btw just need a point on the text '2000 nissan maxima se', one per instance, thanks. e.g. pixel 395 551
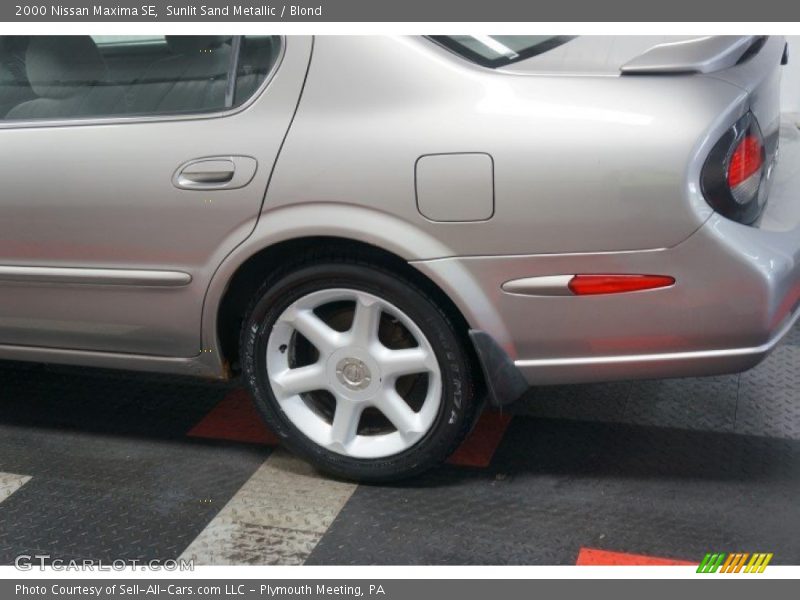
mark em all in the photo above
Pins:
pixel 379 233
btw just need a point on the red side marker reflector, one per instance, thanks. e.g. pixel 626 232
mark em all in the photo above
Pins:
pixel 479 447
pixel 594 557
pixel 587 285
pixel 236 419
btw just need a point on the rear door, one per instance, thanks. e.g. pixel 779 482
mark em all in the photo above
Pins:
pixel 130 167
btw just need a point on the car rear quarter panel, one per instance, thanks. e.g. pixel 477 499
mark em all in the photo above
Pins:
pixel 588 172
pixel 581 163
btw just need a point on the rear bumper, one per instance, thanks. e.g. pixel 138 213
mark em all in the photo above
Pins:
pixel 649 366
pixel 737 293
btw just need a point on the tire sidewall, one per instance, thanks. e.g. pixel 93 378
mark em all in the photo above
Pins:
pixel 454 415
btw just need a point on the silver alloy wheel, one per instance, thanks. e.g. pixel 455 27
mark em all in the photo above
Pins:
pixel 357 369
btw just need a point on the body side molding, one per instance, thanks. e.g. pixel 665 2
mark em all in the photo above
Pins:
pixel 91 276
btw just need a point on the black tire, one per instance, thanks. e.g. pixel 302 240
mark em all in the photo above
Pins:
pixel 458 404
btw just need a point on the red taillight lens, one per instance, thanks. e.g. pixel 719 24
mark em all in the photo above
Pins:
pixel 586 285
pixel 746 161
pixel 733 178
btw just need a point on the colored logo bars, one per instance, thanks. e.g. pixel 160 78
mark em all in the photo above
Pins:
pixel 734 562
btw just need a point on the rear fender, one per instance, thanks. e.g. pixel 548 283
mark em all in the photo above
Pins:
pixel 351 222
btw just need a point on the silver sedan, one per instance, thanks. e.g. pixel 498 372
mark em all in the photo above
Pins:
pixel 379 235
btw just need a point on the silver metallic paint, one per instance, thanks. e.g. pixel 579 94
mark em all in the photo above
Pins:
pixel 698 55
pixel 72 275
pixel 593 173
pixel 455 187
pixel 571 168
pixel 215 173
pixel 85 195
pixel 624 366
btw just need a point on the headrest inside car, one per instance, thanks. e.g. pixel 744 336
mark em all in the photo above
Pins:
pixel 63 66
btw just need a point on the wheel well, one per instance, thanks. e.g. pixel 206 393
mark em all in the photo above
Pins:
pixel 252 273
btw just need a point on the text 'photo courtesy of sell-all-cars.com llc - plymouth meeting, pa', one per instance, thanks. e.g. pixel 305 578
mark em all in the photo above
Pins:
pixel 383 235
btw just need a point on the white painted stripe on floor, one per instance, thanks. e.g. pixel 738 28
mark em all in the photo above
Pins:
pixel 10 483
pixel 277 517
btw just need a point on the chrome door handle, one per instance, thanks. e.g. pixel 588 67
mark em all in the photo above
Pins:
pixel 215 173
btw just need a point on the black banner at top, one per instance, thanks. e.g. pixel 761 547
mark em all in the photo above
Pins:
pixel 399 10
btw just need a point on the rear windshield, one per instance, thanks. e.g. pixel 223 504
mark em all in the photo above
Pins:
pixel 498 50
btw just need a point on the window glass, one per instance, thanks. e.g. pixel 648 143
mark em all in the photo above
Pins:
pixel 128 40
pixel 62 77
pixel 499 50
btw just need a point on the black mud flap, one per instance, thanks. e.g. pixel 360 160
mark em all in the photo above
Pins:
pixel 504 383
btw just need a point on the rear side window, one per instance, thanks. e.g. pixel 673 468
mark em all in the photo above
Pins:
pixel 495 51
pixel 65 77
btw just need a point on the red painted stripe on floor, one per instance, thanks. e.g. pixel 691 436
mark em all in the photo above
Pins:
pixel 593 556
pixel 235 418
pixel 480 445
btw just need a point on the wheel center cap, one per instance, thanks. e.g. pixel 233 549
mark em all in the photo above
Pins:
pixel 353 373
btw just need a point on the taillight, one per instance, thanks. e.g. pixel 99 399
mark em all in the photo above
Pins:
pixel 733 175
pixel 745 164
